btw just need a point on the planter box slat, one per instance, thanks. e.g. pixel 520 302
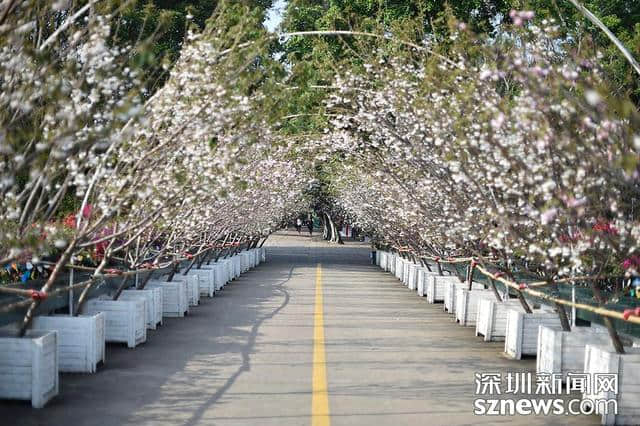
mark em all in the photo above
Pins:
pixel 81 340
pixel 125 320
pixel 29 366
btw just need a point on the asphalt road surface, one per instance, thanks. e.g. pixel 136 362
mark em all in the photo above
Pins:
pixel 293 343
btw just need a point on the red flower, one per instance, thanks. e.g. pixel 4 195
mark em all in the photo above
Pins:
pixel 86 211
pixel 631 262
pixel 605 227
pixel 70 221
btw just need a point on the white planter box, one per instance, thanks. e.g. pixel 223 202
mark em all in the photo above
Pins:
pixel 391 264
pixel 125 320
pixel 237 270
pixel 263 254
pixel 81 340
pixel 602 359
pixel 521 334
pixel 562 352
pixel 256 257
pixel 175 300
pixel 29 367
pixel 451 285
pixel 421 284
pixel 221 269
pixel 252 258
pixel 413 277
pixel 405 272
pixel 383 256
pixel 467 305
pixel 193 288
pixel 207 280
pixel 245 261
pixel 228 268
pixel 491 322
pixel 219 273
pixel 153 298
pixel 399 267
pixel 435 286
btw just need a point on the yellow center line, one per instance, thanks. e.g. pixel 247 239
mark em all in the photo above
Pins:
pixel 320 397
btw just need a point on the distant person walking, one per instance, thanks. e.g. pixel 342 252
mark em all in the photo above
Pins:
pixel 298 225
pixel 310 226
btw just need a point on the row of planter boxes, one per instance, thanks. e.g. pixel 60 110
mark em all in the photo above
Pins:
pixel 581 350
pixel 29 366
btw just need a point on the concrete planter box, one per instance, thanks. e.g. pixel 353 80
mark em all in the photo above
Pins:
pixel 467 305
pixel 153 298
pixel 263 254
pixel 521 334
pixel 491 322
pixel 175 301
pixel 29 367
pixel 391 264
pixel 451 285
pixel 602 359
pixel 206 281
pixel 193 288
pixel 81 340
pixel 436 285
pixel 562 352
pixel 125 319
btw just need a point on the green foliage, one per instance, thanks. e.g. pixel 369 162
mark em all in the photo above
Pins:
pixel 161 27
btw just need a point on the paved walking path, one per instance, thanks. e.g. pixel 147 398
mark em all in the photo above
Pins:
pixel 246 356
